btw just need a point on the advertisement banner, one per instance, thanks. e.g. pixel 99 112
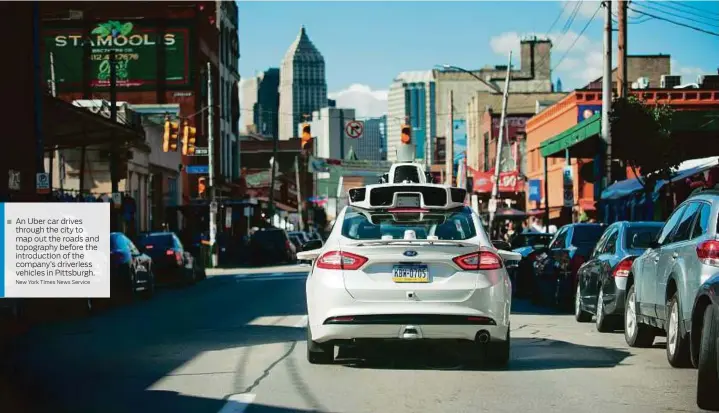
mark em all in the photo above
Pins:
pixel 587 111
pixel 136 47
pixel 514 124
pixel 535 190
pixel 508 181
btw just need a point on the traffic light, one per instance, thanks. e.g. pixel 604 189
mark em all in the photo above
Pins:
pixel 201 187
pixel 188 139
pixel 171 136
pixel 306 134
pixel 406 134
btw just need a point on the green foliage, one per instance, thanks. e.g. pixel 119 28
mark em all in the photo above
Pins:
pixel 106 29
pixel 642 137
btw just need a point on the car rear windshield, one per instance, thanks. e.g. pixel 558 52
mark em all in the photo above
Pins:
pixel 364 225
pixel 530 240
pixel 160 241
pixel 640 237
pixel 587 235
pixel 273 236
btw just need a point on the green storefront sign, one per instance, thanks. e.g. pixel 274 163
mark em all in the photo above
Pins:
pixel 136 49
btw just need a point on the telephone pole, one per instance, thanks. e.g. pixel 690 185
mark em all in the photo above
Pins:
pixel 299 192
pixel 622 50
pixel 500 139
pixel 211 166
pixel 606 98
pixel 449 141
pixel 114 175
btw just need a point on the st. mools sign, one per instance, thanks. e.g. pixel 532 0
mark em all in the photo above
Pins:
pixel 76 40
pixel 113 34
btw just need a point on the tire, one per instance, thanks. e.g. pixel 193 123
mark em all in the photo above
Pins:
pixel 500 352
pixel 677 341
pixel 579 314
pixel 708 376
pixel 636 334
pixel 150 288
pixel 319 353
pixel 605 323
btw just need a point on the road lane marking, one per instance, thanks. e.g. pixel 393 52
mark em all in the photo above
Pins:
pixel 238 403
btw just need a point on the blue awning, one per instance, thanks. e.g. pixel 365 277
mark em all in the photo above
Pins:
pixel 686 169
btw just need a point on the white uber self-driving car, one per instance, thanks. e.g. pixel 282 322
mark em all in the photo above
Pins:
pixel 408 261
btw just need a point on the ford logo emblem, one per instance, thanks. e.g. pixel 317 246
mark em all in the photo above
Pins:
pixel 410 253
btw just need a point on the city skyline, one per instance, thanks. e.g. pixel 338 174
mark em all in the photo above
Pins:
pixel 355 80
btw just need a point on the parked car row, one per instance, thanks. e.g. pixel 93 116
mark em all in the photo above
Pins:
pixel 650 279
pixel 271 245
pixel 136 270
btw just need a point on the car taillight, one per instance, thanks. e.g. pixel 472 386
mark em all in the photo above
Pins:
pixel 708 252
pixel 340 260
pixel 622 269
pixel 481 260
pixel 169 252
pixel 287 244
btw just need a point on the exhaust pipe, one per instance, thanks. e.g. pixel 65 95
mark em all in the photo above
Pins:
pixel 482 337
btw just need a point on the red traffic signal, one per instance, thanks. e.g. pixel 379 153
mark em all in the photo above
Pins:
pixel 406 134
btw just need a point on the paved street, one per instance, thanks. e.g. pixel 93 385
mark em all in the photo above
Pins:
pixel 235 343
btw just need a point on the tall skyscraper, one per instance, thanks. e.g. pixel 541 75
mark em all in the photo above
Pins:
pixel 412 101
pixel 260 103
pixel 303 85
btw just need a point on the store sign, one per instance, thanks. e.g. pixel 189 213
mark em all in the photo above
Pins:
pixel 135 47
pixel 484 181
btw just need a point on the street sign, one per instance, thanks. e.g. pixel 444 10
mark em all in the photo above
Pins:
pixel 198 169
pixel 42 183
pixel 13 180
pixel 354 129
pixel 201 151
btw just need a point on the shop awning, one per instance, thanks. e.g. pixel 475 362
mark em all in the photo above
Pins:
pixel 580 140
pixel 686 169
pixel 68 126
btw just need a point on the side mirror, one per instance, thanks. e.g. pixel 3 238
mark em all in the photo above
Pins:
pixel 502 245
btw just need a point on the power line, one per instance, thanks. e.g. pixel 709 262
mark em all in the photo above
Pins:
pixel 674 22
pixel 652 8
pixel 687 5
pixel 559 16
pixel 578 36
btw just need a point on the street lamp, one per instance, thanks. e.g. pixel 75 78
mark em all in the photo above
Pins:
pixel 460 69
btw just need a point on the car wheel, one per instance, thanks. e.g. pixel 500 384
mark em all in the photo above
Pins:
pixel 605 323
pixel 708 377
pixel 149 291
pixel 318 353
pixel 636 334
pixel 677 341
pixel 500 352
pixel 579 314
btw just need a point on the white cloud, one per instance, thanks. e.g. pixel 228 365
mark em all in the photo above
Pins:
pixel 505 42
pixel 689 73
pixel 367 103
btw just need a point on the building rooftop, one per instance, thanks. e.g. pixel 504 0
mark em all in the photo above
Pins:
pixel 303 48
pixel 415 76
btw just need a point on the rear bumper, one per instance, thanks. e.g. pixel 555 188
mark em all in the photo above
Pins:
pixel 615 295
pixel 347 332
pixel 328 298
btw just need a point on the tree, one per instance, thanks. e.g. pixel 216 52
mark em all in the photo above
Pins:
pixel 641 135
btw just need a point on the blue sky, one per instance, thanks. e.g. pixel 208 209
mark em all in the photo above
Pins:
pixel 366 44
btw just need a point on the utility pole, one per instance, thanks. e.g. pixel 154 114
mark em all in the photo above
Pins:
pixel 273 169
pixel 114 178
pixel 622 49
pixel 449 142
pixel 38 93
pixel 606 98
pixel 211 166
pixel 500 139
pixel 299 194
pixel 342 134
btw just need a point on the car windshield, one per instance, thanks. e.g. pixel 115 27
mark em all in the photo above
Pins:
pixel 156 241
pixel 449 225
pixel 587 235
pixel 640 237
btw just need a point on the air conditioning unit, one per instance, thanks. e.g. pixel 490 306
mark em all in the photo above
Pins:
pixel 643 83
pixel 670 81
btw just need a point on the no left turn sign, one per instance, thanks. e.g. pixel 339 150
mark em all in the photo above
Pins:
pixel 354 129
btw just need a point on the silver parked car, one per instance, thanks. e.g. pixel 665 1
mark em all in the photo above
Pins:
pixel 664 280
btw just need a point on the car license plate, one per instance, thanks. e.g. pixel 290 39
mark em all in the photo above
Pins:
pixel 410 274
